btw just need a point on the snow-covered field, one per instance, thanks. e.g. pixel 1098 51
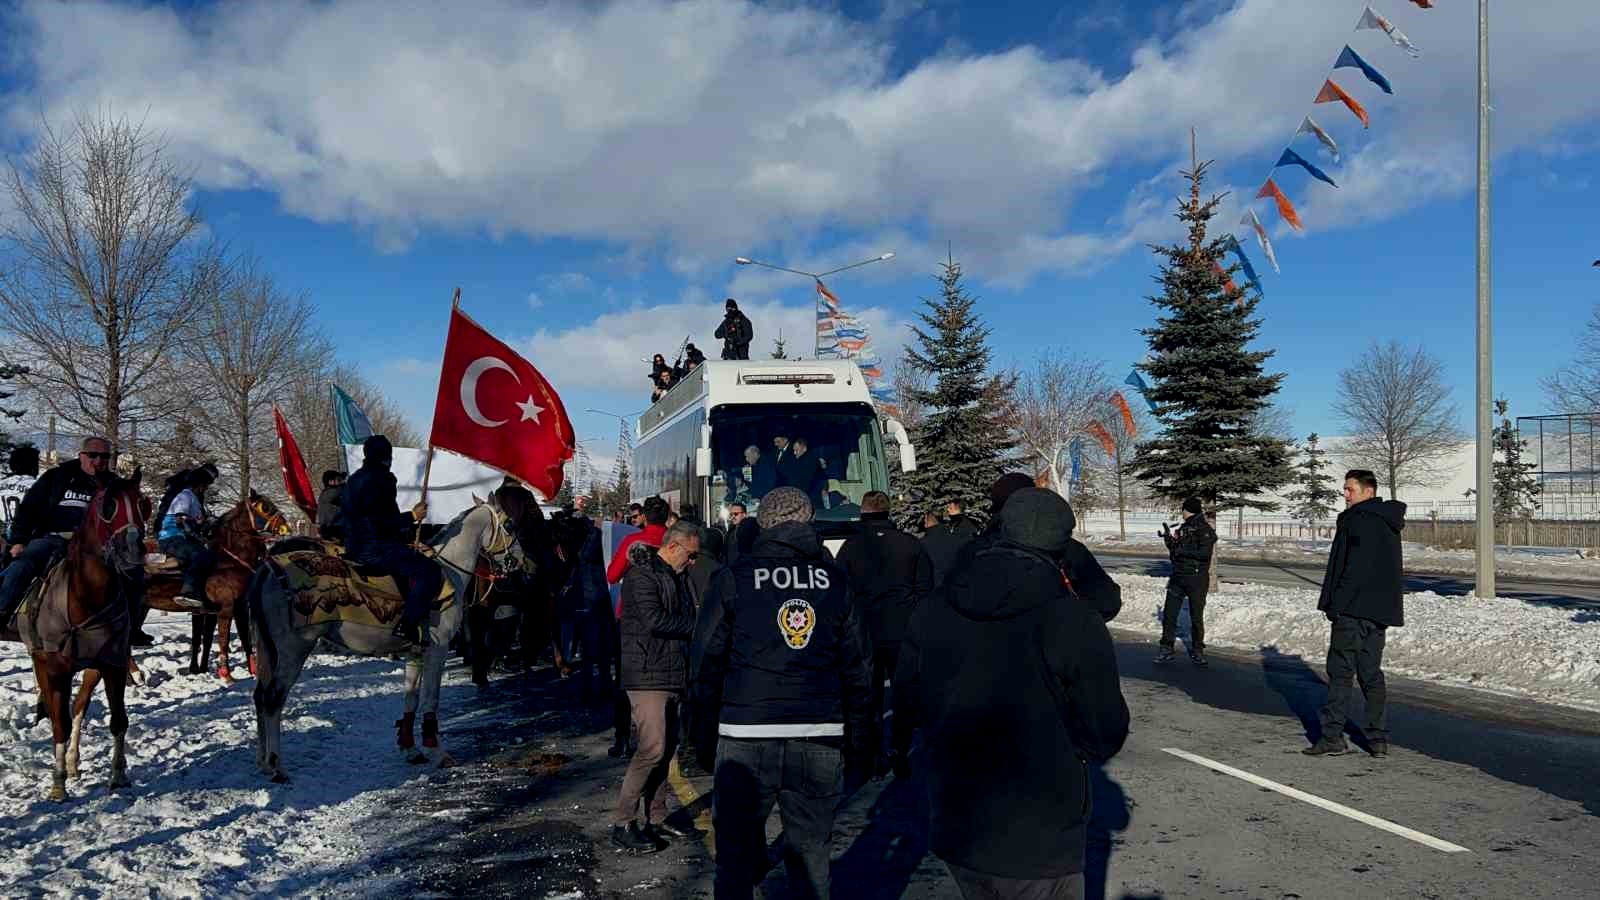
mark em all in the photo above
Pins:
pixel 1507 646
pixel 1101 531
pixel 199 820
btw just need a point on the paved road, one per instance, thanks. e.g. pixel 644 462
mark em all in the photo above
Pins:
pixel 1304 576
pixel 1510 781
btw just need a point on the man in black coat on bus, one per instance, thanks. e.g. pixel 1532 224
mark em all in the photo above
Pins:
pixel 735 332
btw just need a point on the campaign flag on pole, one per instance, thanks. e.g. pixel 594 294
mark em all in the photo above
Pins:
pixel 1254 221
pixel 354 426
pixel 296 480
pixel 496 408
pixel 1075 452
pixel 1371 20
pixel 1285 208
pixel 1310 126
pixel 1291 158
pixel 1099 432
pixel 1332 93
pixel 1137 383
pixel 843 336
pixel 1130 428
pixel 1233 246
pixel 1350 59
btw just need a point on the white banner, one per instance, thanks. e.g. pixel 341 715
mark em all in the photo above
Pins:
pixel 451 488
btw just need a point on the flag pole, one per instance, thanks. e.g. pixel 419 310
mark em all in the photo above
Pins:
pixel 427 465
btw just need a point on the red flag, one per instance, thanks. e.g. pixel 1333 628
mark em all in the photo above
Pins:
pixel 1425 4
pixel 496 408
pixel 296 480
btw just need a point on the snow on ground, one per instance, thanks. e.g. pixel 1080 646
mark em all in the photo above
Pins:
pixel 1507 646
pixel 200 821
pixel 1559 564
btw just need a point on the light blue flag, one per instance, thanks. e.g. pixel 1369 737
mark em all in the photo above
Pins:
pixel 354 426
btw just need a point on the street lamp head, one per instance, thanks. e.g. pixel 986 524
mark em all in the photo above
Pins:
pixel 741 261
pixel 886 257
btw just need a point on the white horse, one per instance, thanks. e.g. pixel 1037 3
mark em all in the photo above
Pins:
pixel 482 532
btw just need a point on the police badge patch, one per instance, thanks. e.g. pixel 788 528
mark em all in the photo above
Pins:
pixel 796 619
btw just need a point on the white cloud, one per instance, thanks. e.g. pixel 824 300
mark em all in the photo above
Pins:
pixel 535 301
pixel 689 129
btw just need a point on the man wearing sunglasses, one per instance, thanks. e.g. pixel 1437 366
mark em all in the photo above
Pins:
pixel 48 515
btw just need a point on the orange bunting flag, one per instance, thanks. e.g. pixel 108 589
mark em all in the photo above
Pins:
pixel 1332 93
pixel 1099 433
pixel 1129 427
pixel 1425 4
pixel 1285 208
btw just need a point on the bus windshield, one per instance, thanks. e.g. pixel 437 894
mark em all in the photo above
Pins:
pixel 833 452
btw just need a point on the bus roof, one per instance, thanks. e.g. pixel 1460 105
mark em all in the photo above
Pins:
pixel 775 381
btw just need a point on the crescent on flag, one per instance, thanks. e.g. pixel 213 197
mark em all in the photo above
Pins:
pixel 469 389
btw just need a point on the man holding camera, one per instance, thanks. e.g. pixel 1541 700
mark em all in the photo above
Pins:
pixel 1190 548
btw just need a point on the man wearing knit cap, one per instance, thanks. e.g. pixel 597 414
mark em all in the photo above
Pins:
pixel 782 668
pixel 735 332
pixel 1190 548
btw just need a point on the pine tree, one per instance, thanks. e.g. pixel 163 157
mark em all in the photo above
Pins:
pixel 777 347
pixel 564 494
pixel 621 494
pixel 1207 385
pixel 964 441
pixel 1516 488
pixel 1314 498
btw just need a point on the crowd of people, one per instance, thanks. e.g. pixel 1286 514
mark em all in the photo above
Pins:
pixel 735 332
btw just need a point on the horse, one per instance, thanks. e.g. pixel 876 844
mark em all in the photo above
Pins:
pixel 239 548
pixel 79 621
pixel 286 631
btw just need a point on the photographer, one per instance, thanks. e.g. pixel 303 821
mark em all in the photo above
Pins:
pixel 735 332
pixel 1190 548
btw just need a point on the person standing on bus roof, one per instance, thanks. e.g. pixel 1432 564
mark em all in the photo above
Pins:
pixel 735 332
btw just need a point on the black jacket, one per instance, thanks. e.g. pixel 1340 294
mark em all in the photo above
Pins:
pixel 803 472
pixel 1365 575
pixel 372 516
pixel 1090 584
pixel 781 651
pixel 736 333
pixel 945 541
pixel 55 504
pixel 330 519
pixel 743 540
pixel 1016 690
pixel 890 572
pixel 658 616
pixel 1191 545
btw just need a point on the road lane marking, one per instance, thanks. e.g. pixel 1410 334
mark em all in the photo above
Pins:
pixel 688 797
pixel 1426 840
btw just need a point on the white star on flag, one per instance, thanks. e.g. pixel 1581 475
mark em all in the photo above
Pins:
pixel 530 411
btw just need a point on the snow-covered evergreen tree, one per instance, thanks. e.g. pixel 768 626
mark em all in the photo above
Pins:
pixel 1208 385
pixel 778 351
pixel 964 441
pixel 1314 499
pixel 1516 488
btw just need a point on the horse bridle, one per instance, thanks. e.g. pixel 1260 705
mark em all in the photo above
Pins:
pixel 276 522
pixel 493 553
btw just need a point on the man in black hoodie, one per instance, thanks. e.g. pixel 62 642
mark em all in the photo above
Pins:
pixel 378 534
pixel 735 332
pixel 945 541
pixel 1363 596
pixel 50 512
pixel 890 573
pixel 1190 550
pixel 1016 691
pixel 781 669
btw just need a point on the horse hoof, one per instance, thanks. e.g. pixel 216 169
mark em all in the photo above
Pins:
pixel 137 678
pixel 225 675
pixel 119 783
pixel 58 792
pixel 416 759
pixel 280 777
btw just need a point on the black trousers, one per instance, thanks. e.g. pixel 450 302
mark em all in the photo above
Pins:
pixel 884 660
pixel 197 560
pixel 592 630
pixel 24 570
pixel 1356 649
pixel 804 778
pixel 1192 588
pixel 418 576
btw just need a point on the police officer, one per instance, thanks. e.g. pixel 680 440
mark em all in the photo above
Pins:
pixel 782 666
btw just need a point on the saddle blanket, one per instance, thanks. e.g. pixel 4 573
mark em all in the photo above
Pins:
pixel 327 589
pixel 43 624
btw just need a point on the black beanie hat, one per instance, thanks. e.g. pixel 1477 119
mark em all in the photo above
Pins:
pixel 1193 506
pixel 731 304
pixel 1004 487
pixel 378 449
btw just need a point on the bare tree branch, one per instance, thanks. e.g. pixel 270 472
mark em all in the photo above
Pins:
pixel 1401 420
pixel 1055 402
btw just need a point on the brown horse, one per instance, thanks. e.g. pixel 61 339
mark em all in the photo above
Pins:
pixel 239 548
pixel 80 622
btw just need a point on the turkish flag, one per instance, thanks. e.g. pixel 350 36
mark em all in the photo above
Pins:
pixel 296 480
pixel 496 408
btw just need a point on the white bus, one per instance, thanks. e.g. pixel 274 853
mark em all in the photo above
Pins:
pixel 695 444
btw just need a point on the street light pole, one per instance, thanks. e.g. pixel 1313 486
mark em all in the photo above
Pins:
pixel 1485 491
pixel 814 276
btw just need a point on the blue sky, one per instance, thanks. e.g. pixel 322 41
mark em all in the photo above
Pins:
pixel 587 173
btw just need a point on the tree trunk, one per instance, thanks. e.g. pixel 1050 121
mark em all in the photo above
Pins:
pixel 1394 476
pixel 244 449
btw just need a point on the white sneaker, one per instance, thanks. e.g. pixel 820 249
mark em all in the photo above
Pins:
pixel 188 602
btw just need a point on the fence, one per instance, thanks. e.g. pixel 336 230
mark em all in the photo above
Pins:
pixel 1526 533
pixel 1287 531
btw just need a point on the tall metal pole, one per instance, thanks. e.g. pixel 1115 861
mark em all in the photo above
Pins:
pixel 1485 493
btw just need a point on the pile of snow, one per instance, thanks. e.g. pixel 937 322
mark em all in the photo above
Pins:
pixel 1502 645
pixel 199 820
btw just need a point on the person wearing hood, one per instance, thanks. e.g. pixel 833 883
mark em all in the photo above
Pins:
pixel 946 540
pixel 735 332
pixel 1190 550
pixel 1363 596
pixel 378 534
pixel 890 573
pixel 1016 691
pixel 781 669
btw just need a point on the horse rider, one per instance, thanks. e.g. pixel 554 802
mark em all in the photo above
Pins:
pixel 378 534
pixel 50 512
pixel 330 516
pixel 181 536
